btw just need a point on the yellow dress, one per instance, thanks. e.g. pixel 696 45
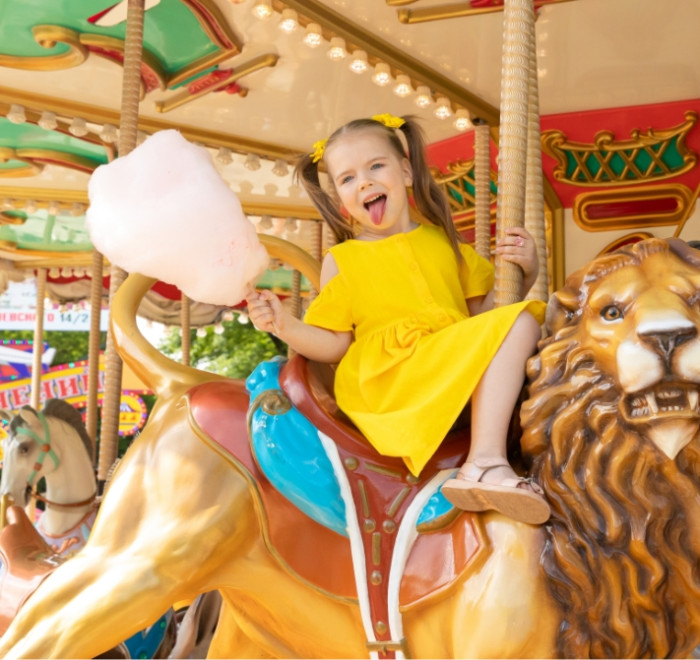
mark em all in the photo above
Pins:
pixel 417 354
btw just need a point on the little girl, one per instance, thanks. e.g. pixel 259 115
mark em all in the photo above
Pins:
pixel 406 309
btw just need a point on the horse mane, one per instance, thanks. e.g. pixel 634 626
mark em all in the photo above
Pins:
pixel 65 412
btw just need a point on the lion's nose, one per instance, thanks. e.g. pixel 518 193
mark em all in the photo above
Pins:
pixel 665 337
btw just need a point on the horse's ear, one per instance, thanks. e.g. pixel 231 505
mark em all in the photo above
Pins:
pixel 6 415
pixel 28 414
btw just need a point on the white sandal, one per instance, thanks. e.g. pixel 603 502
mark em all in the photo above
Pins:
pixel 509 497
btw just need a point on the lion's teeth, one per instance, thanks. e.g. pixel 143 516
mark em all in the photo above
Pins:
pixel 651 402
pixel 693 400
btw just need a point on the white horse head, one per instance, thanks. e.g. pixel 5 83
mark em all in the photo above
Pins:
pixel 53 445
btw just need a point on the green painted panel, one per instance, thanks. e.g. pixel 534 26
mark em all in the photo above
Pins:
pixel 66 234
pixel 171 31
pixel 29 136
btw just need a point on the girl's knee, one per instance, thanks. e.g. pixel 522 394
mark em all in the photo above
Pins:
pixel 527 328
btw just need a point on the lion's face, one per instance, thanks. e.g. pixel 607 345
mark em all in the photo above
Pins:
pixel 639 319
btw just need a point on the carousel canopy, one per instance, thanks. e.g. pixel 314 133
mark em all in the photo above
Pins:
pixel 257 82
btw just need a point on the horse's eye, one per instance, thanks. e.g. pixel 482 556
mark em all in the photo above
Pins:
pixel 23 448
pixel 611 313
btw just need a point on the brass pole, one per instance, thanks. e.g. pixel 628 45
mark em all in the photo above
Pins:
pixel 534 191
pixel 185 328
pixel 517 15
pixel 38 346
pixel 128 131
pixel 94 346
pixel 482 189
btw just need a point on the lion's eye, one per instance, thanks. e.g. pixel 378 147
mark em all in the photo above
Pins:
pixel 611 313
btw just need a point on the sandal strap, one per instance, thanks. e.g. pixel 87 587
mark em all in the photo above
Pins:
pixel 475 471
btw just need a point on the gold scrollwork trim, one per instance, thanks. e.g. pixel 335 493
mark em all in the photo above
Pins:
pixel 151 62
pixel 48 36
pixel 27 169
pixel 259 62
pixel 60 158
pixel 453 182
pixel 634 237
pixel 653 143
pixel 7 219
pixel 676 191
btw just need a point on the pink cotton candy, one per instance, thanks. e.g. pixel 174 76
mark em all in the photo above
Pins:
pixel 165 212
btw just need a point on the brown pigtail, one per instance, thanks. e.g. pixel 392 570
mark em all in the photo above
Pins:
pixel 306 172
pixel 427 194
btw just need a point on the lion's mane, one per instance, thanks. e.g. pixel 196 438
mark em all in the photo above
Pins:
pixel 621 550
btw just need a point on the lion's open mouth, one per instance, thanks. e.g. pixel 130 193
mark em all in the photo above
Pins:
pixel 666 399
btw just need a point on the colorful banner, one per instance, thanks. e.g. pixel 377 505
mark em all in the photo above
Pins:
pixel 70 382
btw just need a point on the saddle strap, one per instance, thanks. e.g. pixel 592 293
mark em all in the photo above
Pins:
pixel 382 507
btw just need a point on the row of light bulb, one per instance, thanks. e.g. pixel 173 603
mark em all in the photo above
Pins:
pixel 359 63
pixel 78 127
pixel 52 208
pixel 252 162
pixel 48 121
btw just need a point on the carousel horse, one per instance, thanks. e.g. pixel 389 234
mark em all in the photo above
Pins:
pixel 321 548
pixel 54 445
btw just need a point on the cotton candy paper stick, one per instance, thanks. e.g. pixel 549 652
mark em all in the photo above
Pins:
pixel 165 212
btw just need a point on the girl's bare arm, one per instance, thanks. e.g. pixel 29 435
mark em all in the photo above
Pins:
pixel 319 344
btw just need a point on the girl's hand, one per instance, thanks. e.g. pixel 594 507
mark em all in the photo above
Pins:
pixel 517 246
pixel 265 311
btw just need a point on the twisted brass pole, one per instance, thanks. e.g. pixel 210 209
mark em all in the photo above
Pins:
pixel 534 193
pixel 185 327
pixel 517 17
pixel 94 346
pixel 37 348
pixel 482 191
pixel 128 130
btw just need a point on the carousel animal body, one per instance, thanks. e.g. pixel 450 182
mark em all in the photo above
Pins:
pixel 53 444
pixel 613 394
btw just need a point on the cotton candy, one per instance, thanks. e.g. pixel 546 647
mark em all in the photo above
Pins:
pixel 164 211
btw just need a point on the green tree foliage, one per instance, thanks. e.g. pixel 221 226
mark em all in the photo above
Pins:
pixel 70 346
pixel 235 352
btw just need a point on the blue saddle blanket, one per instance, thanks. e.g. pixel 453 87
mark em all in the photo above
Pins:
pixel 290 454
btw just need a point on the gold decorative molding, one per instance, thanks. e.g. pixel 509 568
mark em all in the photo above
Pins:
pixel 81 45
pixel 35 103
pixel 446 11
pixel 678 193
pixel 48 36
pixel 639 159
pixel 66 198
pixel 455 184
pixel 257 63
pixel 634 237
pixel 356 37
pixel 26 170
pixel 7 219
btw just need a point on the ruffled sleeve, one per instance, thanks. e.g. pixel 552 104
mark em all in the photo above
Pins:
pixel 476 274
pixel 331 308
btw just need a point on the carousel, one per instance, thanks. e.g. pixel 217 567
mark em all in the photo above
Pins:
pixel 576 119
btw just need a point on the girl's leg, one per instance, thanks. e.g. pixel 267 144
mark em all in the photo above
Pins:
pixel 486 481
pixel 497 393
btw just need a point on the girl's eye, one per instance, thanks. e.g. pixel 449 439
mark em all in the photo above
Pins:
pixel 345 179
pixel 611 313
pixel 376 166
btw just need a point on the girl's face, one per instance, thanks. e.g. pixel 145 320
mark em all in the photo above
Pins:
pixel 371 179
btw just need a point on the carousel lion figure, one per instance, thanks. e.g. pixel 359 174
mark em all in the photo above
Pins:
pixel 378 567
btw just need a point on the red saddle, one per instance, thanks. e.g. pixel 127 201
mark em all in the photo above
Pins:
pixel 381 486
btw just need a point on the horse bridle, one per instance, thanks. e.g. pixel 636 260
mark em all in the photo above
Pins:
pixel 44 451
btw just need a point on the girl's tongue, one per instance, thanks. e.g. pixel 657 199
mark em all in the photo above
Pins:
pixel 376 210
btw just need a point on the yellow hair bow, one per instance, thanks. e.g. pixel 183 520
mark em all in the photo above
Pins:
pixel 390 121
pixel 318 149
